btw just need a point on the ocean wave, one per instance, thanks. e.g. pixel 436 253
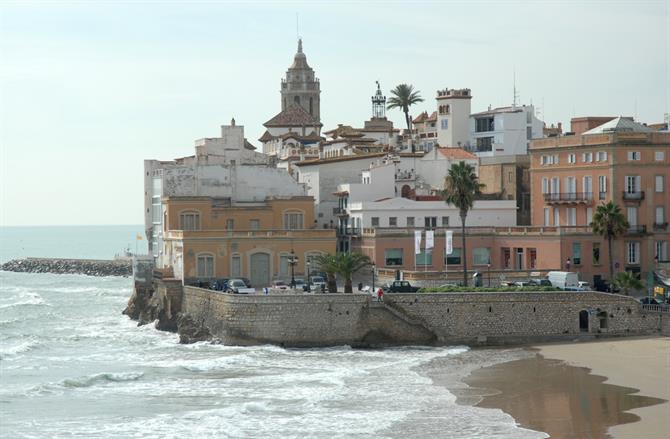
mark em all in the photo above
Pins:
pixel 24 346
pixel 91 380
pixel 25 300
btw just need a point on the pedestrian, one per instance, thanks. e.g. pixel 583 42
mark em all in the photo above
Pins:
pixel 380 295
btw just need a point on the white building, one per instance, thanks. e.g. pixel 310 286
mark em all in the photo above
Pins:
pixel 504 131
pixel 448 126
pixel 223 167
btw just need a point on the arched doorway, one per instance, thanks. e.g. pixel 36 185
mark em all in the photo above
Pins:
pixel 583 321
pixel 406 191
pixel 259 269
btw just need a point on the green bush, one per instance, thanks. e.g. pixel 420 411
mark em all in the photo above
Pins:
pixel 457 289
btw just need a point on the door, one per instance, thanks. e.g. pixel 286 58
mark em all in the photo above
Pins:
pixel 584 321
pixel 632 216
pixel 588 188
pixel 571 188
pixel 260 269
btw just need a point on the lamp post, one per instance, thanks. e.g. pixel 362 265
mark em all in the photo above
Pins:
pixel 292 263
pixel 488 269
pixel 309 281
pixel 373 276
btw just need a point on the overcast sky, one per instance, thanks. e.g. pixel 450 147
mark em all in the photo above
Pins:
pixel 90 89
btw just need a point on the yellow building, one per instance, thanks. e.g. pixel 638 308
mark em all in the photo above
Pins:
pixel 206 237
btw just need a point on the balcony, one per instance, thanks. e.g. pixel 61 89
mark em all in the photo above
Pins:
pixel 660 226
pixel 350 231
pixel 633 196
pixel 340 211
pixel 636 230
pixel 569 197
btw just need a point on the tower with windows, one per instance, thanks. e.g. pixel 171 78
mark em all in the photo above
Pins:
pixel 301 87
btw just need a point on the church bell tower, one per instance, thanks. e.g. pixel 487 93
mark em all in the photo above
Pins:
pixel 300 87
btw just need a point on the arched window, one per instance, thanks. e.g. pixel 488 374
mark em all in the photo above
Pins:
pixel 189 220
pixel 294 220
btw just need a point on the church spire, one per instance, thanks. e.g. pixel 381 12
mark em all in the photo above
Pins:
pixel 299 45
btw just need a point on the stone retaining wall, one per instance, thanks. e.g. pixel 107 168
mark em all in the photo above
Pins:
pixel 90 267
pixel 439 318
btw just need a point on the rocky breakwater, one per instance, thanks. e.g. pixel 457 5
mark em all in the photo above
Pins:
pixel 89 267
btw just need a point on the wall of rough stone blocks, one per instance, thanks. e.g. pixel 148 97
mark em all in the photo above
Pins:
pixel 447 318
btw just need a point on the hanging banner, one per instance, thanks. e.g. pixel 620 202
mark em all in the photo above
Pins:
pixel 449 236
pixel 429 239
pixel 417 241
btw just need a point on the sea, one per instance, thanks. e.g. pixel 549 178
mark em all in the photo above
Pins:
pixel 72 366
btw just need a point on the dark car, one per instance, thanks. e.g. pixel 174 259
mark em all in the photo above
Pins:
pixel 649 301
pixel 219 284
pixel 401 286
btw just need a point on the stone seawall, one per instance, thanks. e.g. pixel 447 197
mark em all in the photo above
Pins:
pixel 89 267
pixel 423 319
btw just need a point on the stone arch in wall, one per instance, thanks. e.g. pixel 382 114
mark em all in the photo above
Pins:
pixel 406 191
pixel 259 269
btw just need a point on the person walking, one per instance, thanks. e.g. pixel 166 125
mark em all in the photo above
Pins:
pixel 380 295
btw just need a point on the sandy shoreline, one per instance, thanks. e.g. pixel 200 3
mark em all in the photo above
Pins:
pixel 642 364
pixel 597 389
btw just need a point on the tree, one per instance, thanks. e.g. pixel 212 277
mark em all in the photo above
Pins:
pixel 609 222
pixel 627 281
pixel 329 264
pixel 350 263
pixel 403 97
pixel 461 187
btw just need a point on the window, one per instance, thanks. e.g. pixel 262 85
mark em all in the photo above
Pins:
pixel 205 265
pixel 484 124
pixel 529 133
pixel 632 184
pixel 293 220
pixel 444 124
pixel 545 185
pixel 596 253
pixel 572 158
pixel 633 155
pixel 532 252
pixel 587 187
pixel 236 266
pixel 661 251
pixel 660 215
pixel 602 156
pixel 544 160
pixel 230 224
pixel 156 209
pixel 631 213
pixel 633 252
pixel 587 157
pixel 572 216
pixel 410 221
pixel 546 216
pixel 393 221
pixel 554 159
pixel 424 258
pixel 484 144
pixel 659 183
pixel 557 221
pixel 254 224
pixel 375 221
pixel 445 221
pixel 481 256
pixel 659 156
pixel 577 253
pixel 454 258
pixel 430 222
pixel 393 257
pixel 510 177
pixel 189 221
pixel 589 215
pixel 602 186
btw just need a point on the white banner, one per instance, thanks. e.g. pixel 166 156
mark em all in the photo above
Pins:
pixel 449 236
pixel 417 241
pixel 429 239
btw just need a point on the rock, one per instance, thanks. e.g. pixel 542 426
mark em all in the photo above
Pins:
pixel 70 266
pixel 190 331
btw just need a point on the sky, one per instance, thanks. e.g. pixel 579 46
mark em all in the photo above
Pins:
pixel 88 90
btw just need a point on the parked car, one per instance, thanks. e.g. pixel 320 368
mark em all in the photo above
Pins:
pixel 279 285
pixel 565 280
pixel 401 286
pixel 237 286
pixel 584 286
pixel 299 283
pixel 649 301
pixel 540 282
pixel 246 281
pixel 317 281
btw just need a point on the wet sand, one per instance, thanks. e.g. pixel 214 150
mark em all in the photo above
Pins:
pixel 556 392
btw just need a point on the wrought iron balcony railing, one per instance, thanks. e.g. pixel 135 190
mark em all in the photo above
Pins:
pixel 635 196
pixel 568 197
pixel 637 230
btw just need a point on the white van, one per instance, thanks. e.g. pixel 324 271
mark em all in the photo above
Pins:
pixel 565 280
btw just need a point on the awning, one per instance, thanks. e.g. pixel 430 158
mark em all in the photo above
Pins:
pixel 665 281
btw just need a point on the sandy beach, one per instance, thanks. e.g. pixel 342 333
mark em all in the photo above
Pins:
pixel 643 364
pixel 599 389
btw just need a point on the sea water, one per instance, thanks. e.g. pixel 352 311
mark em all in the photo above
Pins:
pixel 71 365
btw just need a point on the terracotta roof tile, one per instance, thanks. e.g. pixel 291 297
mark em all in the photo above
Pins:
pixel 293 116
pixel 457 153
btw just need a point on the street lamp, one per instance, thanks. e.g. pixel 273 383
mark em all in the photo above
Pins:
pixel 309 280
pixel 488 269
pixel 292 263
pixel 373 276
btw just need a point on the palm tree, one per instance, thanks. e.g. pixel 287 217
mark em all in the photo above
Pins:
pixel 404 97
pixel 627 281
pixel 329 264
pixel 461 187
pixel 350 263
pixel 609 222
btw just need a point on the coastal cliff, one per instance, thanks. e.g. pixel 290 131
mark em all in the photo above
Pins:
pixel 89 267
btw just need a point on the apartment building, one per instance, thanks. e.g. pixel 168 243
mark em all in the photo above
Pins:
pixel 620 161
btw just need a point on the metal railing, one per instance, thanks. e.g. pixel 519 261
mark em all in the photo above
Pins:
pixel 656 308
pixel 633 195
pixel 339 211
pixel 660 226
pixel 568 196
pixel 637 230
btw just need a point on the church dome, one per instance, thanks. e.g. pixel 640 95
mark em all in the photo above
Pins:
pixel 299 60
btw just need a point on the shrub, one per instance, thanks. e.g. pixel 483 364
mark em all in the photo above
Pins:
pixel 457 289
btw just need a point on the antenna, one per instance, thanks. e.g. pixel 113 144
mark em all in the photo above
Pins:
pixel 516 95
pixel 297 26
